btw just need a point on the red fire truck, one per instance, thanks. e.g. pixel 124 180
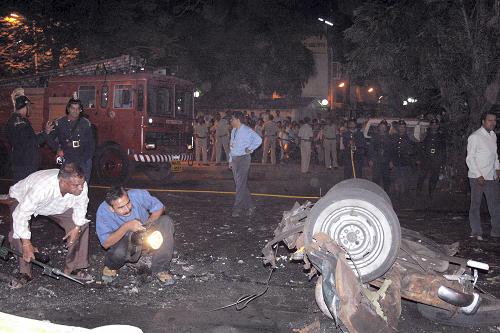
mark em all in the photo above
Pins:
pixel 143 121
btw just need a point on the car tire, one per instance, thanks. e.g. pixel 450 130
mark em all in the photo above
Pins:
pixel 363 223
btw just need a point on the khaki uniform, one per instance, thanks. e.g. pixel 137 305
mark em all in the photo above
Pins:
pixel 329 137
pixel 305 136
pixel 221 139
pixel 201 137
pixel 270 130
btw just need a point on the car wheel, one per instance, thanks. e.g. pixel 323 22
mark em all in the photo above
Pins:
pixel 363 223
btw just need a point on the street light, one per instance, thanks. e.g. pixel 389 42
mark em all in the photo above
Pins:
pixel 17 19
pixel 370 90
pixel 341 85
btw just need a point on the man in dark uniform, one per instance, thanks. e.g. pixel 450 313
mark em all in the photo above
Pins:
pixel 380 150
pixel 432 157
pixel 23 140
pixel 355 151
pixel 402 157
pixel 73 138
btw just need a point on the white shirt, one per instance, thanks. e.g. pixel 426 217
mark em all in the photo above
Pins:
pixel 482 156
pixel 39 194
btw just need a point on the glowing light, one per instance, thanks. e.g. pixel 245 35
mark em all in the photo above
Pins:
pixel 150 120
pixel 324 102
pixel 329 23
pixel 155 240
pixel 341 84
pixel 371 90
pixel 405 102
pixel 196 94
pixel 321 19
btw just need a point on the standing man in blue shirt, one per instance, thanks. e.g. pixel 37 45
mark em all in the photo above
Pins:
pixel 124 213
pixel 243 142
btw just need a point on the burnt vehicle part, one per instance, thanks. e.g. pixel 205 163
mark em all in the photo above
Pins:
pixel 421 270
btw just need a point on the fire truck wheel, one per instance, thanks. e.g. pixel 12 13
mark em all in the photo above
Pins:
pixel 111 164
pixel 158 172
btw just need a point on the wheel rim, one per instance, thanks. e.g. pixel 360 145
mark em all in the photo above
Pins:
pixel 111 165
pixel 360 231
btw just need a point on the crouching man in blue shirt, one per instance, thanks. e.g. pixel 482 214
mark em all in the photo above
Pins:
pixel 121 219
pixel 243 142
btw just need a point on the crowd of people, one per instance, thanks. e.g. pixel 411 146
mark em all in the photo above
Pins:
pixel 392 153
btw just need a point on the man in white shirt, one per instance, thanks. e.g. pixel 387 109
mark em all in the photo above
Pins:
pixel 484 171
pixel 62 196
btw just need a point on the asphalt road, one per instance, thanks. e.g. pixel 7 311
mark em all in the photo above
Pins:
pixel 217 261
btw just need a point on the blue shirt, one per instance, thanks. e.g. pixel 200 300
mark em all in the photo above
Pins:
pixel 241 139
pixel 143 204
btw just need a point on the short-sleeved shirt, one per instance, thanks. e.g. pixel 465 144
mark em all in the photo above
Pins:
pixel 143 204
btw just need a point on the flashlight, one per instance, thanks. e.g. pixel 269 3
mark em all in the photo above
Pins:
pixel 152 239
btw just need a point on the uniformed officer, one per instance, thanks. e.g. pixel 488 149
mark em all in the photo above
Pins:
pixel 73 138
pixel 432 157
pixel 201 134
pixel 380 150
pixel 221 127
pixel 355 150
pixel 402 158
pixel 328 136
pixel 305 138
pixel 270 131
pixel 25 144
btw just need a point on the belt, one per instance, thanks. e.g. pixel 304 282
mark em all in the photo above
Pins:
pixel 73 144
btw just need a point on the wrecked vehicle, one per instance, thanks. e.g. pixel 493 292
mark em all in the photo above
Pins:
pixel 366 263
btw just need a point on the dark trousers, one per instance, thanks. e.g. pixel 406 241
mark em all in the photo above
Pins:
pixel 78 253
pixel 358 167
pixel 402 176
pixel 125 251
pixel 382 174
pixel 431 169
pixel 241 168
pixel 491 192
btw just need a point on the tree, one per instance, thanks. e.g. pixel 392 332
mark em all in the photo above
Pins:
pixel 444 48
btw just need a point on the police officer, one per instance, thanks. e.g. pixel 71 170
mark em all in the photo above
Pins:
pixel 402 158
pixel 305 137
pixel 380 150
pixel 270 131
pixel 73 138
pixel 201 135
pixel 432 157
pixel 25 144
pixel 355 150
pixel 328 136
pixel 221 128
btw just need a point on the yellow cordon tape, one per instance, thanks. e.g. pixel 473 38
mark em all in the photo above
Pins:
pixel 269 195
pixel 221 192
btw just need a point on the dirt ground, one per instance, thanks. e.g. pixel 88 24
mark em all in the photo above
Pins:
pixel 217 260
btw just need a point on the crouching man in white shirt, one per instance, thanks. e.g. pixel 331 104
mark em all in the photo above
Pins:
pixel 61 195
pixel 484 171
